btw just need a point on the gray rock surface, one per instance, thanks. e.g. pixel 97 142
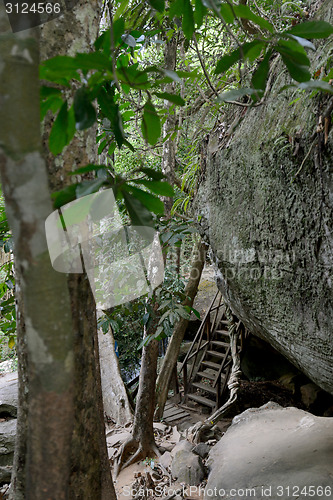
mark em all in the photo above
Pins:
pixel 270 231
pixel 7 445
pixel 187 467
pixel 202 449
pixel 271 448
pixel 183 445
pixel 8 394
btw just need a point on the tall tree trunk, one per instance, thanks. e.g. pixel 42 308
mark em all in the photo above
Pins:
pixel 91 476
pixel 170 359
pixel 169 146
pixel 48 343
pixel 142 443
pixel 115 398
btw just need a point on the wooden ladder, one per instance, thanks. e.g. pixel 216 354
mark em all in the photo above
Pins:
pixel 206 382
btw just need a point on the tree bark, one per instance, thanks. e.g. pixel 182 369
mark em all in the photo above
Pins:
pixel 90 470
pixel 116 403
pixel 48 342
pixel 169 146
pixel 170 359
pixel 142 443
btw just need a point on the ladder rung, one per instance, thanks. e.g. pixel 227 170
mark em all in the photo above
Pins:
pixel 220 344
pixel 204 387
pixel 209 375
pixel 202 400
pixel 217 354
pixel 222 332
pixel 216 366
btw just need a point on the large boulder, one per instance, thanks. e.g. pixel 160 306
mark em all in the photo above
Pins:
pixel 266 206
pixel 269 449
pixel 8 394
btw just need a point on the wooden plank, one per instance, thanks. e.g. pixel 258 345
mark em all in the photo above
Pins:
pixel 202 400
pixel 172 411
pixel 177 417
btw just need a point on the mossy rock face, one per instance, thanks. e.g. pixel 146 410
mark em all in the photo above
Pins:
pixel 266 206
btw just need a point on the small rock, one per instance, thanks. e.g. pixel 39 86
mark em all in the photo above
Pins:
pixel 182 446
pixel 201 449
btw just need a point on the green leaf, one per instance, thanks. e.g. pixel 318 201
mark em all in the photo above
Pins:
pixel 176 9
pixel 233 95
pixel 295 58
pixel 138 213
pixel 88 187
pixel 153 174
pixel 58 136
pixel 316 85
pixel 230 59
pixel 226 13
pixel 176 99
pixel 102 146
pixel 312 29
pixel 64 196
pixel 118 29
pixel 304 42
pixel 94 60
pixel 188 20
pixel 199 12
pixel 161 188
pixel 297 72
pixel 151 125
pixel 158 5
pixel 54 103
pixel 84 111
pixel 260 76
pixel 46 92
pixel 227 61
pixel 153 203
pixel 88 168
pixel 195 312
pixel 294 51
pixel 11 342
pixel 243 11
pixel 110 109
pixel 104 42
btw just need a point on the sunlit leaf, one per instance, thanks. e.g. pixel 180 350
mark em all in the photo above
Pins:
pixel 233 95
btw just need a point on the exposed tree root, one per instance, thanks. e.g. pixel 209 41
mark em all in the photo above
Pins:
pixel 132 451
